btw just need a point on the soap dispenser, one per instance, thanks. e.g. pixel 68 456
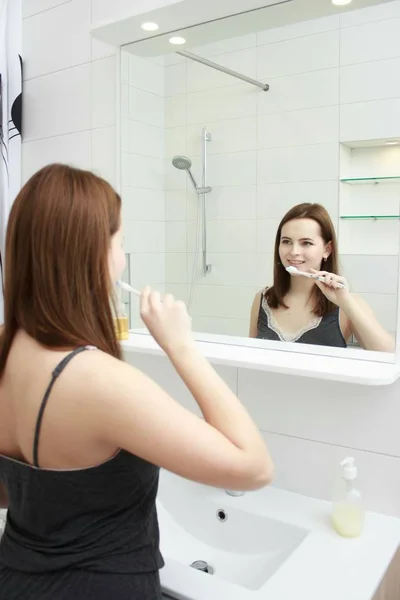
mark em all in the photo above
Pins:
pixel 348 512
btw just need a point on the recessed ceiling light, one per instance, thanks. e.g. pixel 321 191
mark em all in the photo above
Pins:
pixel 177 40
pixel 149 27
pixel 341 2
pixel 392 143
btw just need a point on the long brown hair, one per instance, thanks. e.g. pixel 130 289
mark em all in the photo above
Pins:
pixel 275 295
pixel 57 284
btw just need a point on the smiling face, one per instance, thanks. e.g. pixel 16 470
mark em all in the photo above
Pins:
pixel 302 246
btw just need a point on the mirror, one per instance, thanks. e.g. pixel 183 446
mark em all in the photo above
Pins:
pixel 211 163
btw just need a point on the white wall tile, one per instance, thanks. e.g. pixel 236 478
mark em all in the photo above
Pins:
pixel 32 7
pixel 144 237
pixel 104 79
pixel 297 164
pixel 175 205
pixel 66 26
pixel 221 326
pixel 275 199
pixel 382 236
pixel 358 270
pixel 384 307
pixel 266 233
pixel 143 205
pixel 381 11
pixel 146 107
pixel 299 55
pixel 147 269
pixel 178 290
pixel 175 267
pixel 175 233
pixel 201 77
pixel 72 149
pixel 231 102
pixel 146 75
pixel 225 46
pixel 175 80
pixel 145 172
pixel 299 127
pixel 104 147
pixel 319 88
pixel 373 41
pixel 231 236
pixel 226 269
pixel 229 302
pixel 239 168
pixel 237 202
pixel 174 179
pixel 318 470
pixel 361 423
pixel 370 120
pixel 146 139
pixel 296 30
pixel 175 142
pixel 370 81
pixel 65 93
pixel 175 111
pixel 226 136
pixel 102 50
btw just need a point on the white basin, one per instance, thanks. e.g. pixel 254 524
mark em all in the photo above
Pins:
pixel 198 522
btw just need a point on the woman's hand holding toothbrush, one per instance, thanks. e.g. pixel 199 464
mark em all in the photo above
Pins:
pixel 167 320
pixel 334 287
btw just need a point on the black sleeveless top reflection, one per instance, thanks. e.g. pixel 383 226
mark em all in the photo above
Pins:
pixel 72 533
pixel 322 331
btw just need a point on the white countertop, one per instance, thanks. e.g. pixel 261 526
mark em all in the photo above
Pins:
pixel 324 567
pixel 358 366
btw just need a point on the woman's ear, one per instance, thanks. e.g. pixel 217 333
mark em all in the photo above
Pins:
pixel 328 250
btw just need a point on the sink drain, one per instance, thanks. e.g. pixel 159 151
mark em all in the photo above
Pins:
pixel 221 515
pixel 201 565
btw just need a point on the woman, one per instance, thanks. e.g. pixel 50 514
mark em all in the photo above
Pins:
pixel 82 433
pixel 299 309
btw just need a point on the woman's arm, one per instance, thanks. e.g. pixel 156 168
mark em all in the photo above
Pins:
pixel 3 496
pixel 255 309
pixel 366 327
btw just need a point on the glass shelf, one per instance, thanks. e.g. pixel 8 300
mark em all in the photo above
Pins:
pixel 370 180
pixel 370 217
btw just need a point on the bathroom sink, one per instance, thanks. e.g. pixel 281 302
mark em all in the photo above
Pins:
pixel 204 527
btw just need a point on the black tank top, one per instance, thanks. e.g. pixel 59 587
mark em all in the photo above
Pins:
pixel 322 331
pixel 101 519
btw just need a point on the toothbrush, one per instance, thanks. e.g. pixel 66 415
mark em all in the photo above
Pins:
pixel 128 288
pixel 294 271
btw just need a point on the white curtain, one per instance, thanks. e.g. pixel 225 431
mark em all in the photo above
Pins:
pixel 10 115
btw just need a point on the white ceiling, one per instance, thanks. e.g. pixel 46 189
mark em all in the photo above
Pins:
pixel 204 21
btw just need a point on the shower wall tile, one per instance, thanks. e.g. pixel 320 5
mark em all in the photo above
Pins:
pixel 370 81
pixel 145 139
pixel 229 302
pixel 275 199
pixel 146 75
pixel 201 77
pixel 238 168
pixel 230 102
pixel 146 107
pixel 147 269
pixel 144 237
pixel 221 326
pixel 296 164
pixel 175 267
pixel 143 204
pixel 297 30
pixel 175 236
pixel 379 12
pixel 313 89
pixel 176 111
pixel 232 202
pixel 175 80
pixel 371 41
pixel 301 55
pixel 299 127
pixel 358 268
pixel 226 136
pixel 175 142
pixel 175 205
pixel 377 119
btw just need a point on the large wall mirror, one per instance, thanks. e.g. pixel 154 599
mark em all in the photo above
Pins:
pixel 236 123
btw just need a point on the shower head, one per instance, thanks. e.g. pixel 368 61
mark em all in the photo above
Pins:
pixel 183 163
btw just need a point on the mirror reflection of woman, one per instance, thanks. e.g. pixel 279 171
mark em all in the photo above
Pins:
pixel 308 311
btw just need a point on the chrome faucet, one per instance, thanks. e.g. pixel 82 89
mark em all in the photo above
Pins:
pixel 234 493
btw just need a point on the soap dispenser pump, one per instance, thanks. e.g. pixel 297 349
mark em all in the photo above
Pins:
pixel 348 513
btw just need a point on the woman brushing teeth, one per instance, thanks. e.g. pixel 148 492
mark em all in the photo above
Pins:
pixel 307 309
